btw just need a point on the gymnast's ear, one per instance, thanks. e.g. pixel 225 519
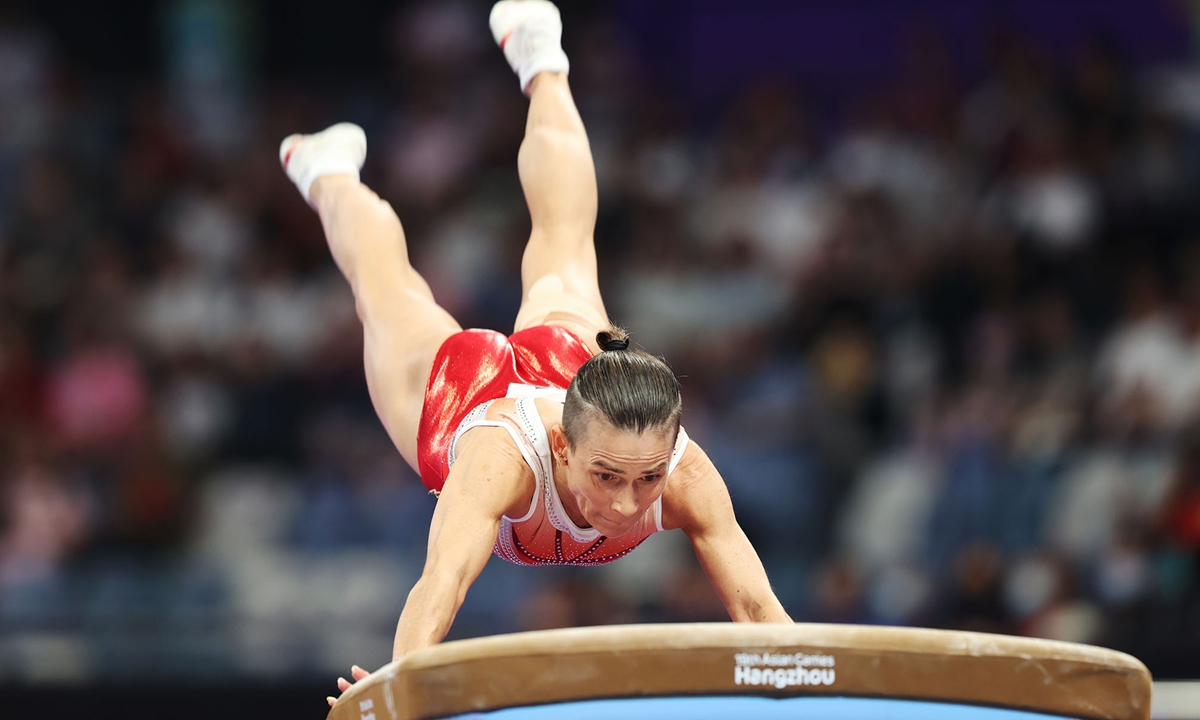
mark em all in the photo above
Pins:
pixel 559 445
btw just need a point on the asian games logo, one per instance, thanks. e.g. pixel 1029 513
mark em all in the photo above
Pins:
pixel 783 670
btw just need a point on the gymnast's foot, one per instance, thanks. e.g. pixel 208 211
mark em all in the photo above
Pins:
pixel 530 34
pixel 338 149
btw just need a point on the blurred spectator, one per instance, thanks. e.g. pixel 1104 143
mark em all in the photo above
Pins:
pixel 1140 364
pixel 26 84
pixel 46 519
pixel 838 593
pixel 975 600
pixel 1182 521
pixel 20 380
pixel 578 601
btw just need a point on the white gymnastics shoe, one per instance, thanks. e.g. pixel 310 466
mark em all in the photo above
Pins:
pixel 340 148
pixel 530 34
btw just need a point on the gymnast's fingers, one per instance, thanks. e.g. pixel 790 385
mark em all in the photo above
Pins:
pixel 330 699
pixel 358 673
pixel 343 684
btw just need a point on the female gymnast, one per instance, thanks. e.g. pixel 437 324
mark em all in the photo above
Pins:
pixel 557 445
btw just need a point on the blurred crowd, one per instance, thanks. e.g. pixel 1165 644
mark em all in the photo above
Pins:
pixel 943 342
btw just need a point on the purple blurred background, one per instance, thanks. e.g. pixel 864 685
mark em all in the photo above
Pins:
pixel 847 49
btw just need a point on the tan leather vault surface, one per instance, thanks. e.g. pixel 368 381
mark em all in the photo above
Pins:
pixel 703 659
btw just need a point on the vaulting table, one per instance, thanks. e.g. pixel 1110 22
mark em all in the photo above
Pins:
pixel 726 670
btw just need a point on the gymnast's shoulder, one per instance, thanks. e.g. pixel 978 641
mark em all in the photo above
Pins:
pixel 696 496
pixel 488 460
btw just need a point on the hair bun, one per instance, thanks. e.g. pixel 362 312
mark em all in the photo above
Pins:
pixel 613 338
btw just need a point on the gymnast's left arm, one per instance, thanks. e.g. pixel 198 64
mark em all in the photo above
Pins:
pixel 698 502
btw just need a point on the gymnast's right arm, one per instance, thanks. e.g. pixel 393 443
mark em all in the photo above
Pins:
pixel 486 482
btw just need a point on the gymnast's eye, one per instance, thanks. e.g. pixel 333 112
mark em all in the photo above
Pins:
pixel 651 478
pixel 605 477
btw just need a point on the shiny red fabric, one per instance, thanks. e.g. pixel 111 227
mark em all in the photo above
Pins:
pixel 474 366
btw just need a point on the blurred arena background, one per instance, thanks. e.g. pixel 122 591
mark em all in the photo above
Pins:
pixel 929 270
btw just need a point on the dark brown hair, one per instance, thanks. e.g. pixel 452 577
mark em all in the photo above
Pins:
pixel 630 389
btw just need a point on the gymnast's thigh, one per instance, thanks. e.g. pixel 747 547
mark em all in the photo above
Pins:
pixel 402 335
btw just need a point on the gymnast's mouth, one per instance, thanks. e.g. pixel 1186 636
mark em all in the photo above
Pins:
pixel 608 528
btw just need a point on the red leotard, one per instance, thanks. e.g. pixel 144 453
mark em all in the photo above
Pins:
pixel 475 366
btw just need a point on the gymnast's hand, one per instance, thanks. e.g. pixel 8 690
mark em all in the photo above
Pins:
pixel 343 684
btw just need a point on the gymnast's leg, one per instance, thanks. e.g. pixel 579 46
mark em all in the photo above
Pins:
pixel 558 270
pixel 403 326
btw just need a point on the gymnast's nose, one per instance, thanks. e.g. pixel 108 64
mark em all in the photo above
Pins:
pixel 624 505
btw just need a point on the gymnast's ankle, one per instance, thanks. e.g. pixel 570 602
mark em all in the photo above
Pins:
pixel 327 184
pixel 545 77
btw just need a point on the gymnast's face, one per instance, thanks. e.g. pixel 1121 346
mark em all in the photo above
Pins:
pixel 614 475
